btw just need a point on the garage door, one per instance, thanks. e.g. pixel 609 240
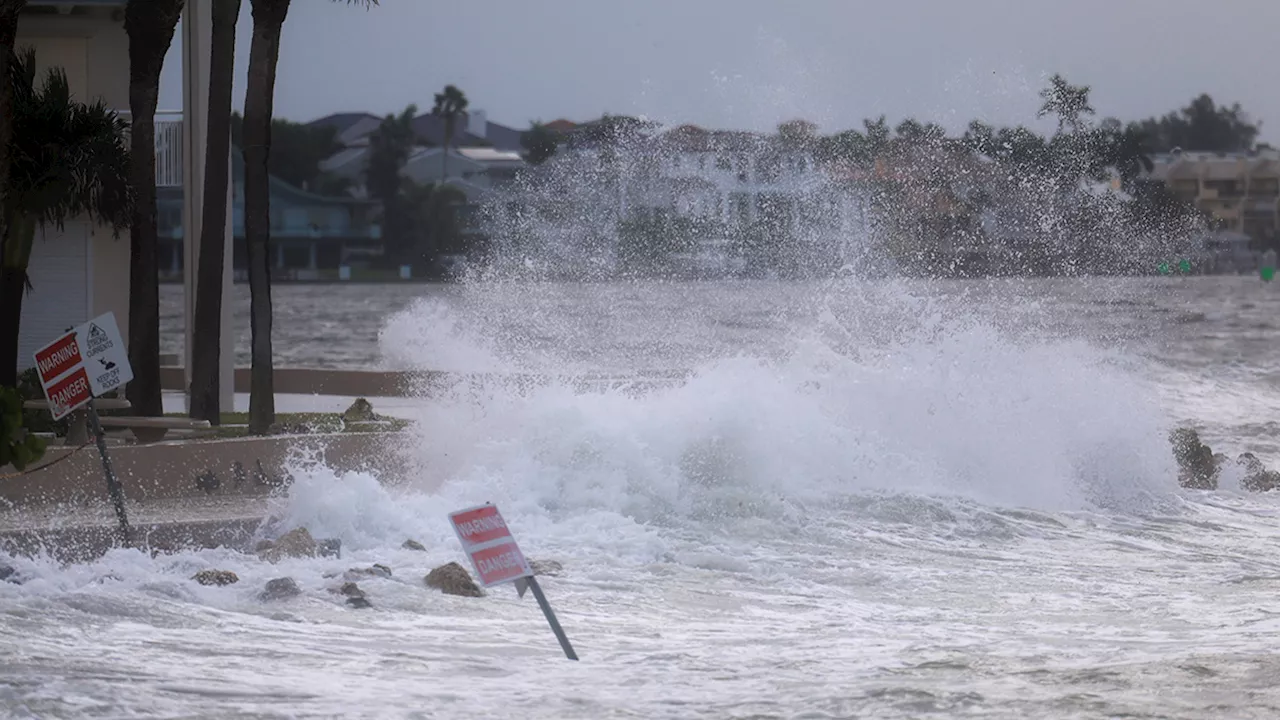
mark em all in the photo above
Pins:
pixel 60 279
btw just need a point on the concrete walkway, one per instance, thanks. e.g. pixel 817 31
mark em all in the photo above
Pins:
pixel 396 407
pixel 79 534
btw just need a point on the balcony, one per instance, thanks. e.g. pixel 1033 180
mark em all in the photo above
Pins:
pixel 168 147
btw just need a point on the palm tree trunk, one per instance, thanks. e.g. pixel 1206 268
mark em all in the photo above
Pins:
pixel 264 52
pixel 206 351
pixel 21 234
pixel 444 157
pixel 12 285
pixel 150 26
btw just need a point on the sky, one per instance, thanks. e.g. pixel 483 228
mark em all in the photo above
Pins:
pixel 751 64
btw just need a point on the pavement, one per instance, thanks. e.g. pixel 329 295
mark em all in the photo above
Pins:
pixel 396 407
pixel 83 532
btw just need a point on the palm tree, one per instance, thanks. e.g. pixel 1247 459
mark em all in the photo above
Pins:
pixel 67 159
pixel 150 25
pixel 449 105
pixel 264 54
pixel 9 11
pixel 1069 102
pixel 206 351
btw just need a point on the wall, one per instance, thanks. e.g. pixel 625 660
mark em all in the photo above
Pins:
pixel 94 51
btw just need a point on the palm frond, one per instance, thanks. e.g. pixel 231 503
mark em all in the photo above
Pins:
pixel 67 158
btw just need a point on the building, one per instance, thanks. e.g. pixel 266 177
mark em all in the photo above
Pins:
pixel 473 130
pixel 312 235
pixel 81 271
pixel 1240 190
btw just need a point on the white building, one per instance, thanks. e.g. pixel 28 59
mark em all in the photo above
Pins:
pixel 82 271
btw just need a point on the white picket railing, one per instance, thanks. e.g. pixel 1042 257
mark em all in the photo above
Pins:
pixel 169 150
pixel 168 147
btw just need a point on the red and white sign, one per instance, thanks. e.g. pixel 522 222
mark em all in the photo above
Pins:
pixel 84 363
pixel 55 359
pixel 488 542
pixel 68 393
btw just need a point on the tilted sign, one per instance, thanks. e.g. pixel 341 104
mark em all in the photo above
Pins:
pixel 497 559
pixel 488 542
pixel 86 362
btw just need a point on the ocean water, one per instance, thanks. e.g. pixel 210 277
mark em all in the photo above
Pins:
pixel 892 500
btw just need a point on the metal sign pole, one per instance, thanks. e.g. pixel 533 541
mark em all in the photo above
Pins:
pixel 113 484
pixel 551 618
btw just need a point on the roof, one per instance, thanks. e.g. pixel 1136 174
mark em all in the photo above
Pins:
pixel 341 121
pixel 503 137
pixel 561 125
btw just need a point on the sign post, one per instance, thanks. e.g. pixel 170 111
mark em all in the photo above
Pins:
pixel 497 559
pixel 86 362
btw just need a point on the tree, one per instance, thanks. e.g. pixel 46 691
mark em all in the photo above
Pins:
pixel 297 150
pixel 264 55
pixel 67 159
pixel 1070 103
pixel 539 143
pixel 206 351
pixel 449 105
pixel 1202 126
pixel 150 26
pixel 9 12
pixel 389 148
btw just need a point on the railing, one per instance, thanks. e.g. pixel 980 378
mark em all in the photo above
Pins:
pixel 168 147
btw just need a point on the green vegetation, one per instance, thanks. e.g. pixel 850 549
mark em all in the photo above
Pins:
pixel 18 446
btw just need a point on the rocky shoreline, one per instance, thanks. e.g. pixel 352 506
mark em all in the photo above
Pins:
pixel 1200 468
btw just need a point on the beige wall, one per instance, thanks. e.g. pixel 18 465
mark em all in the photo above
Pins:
pixel 94 52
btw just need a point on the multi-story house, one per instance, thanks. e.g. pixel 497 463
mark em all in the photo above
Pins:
pixel 1240 190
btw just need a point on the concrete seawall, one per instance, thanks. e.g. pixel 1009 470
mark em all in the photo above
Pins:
pixel 180 495
pixel 166 470
pixel 395 383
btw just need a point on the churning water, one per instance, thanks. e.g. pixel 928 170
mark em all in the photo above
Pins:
pixel 855 499
pixel 916 502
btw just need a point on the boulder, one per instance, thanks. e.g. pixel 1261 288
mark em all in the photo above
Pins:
pixel 329 547
pixel 7 572
pixel 217 578
pixel 1257 477
pixel 413 545
pixel 360 411
pixel 378 571
pixel 453 579
pixel 1197 467
pixel 296 543
pixel 279 589
pixel 355 596
pixel 546 567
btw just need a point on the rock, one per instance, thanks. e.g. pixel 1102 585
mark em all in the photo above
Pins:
pixel 8 573
pixel 546 567
pixel 380 571
pixel 329 547
pixel 216 577
pixel 453 579
pixel 1257 478
pixel 355 596
pixel 1197 467
pixel 279 589
pixel 413 545
pixel 264 545
pixel 296 543
pixel 360 411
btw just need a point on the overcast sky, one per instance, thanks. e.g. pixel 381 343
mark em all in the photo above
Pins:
pixel 754 63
